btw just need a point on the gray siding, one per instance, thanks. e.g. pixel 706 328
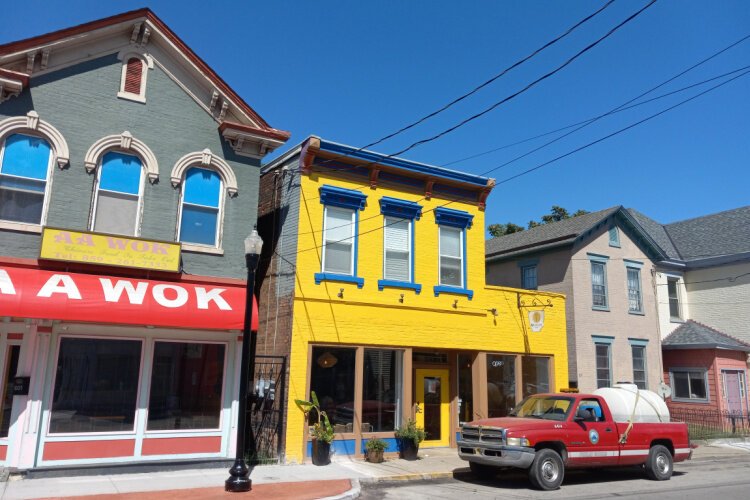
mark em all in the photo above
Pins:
pixel 81 102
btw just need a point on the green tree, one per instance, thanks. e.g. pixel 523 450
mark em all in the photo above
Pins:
pixel 496 230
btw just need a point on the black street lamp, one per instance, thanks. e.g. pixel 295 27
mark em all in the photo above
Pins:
pixel 239 473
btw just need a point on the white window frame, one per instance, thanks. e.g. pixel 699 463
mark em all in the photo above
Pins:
pixel 32 125
pixel 387 220
pixel 352 237
pixel 147 62
pixel 142 181
pixel 640 289
pixel 677 281
pixel 218 237
pixel 702 371
pixel 461 252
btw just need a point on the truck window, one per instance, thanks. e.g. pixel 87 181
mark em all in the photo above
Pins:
pixel 592 408
pixel 547 408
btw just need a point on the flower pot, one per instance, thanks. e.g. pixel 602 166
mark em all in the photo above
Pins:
pixel 407 449
pixel 375 456
pixel 321 452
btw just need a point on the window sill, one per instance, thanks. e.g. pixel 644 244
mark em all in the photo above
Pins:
pixel 637 313
pixel 192 247
pixel 693 401
pixel 614 245
pixel 453 289
pixel 676 320
pixel 132 97
pixel 320 277
pixel 21 227
pixel 600 308
pixel 399 284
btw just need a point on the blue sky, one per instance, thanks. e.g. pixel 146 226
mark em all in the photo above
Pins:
pixel 353 72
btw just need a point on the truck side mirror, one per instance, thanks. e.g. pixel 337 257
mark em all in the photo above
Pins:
pixel 583 415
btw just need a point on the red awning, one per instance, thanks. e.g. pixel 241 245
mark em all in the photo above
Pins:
pixel 36 293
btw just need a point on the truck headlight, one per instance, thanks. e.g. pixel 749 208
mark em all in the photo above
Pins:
pixel 518 442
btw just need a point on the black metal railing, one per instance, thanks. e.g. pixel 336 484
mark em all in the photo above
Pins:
pixel 710 424
pixel 266 409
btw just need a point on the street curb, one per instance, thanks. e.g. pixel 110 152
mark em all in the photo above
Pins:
pixel 408 477
pixel 353 493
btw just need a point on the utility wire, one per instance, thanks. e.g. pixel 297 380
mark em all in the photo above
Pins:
pixel 582 124
pixel 622 106
pixel 558 158
pixel 527 87
pixel 491 80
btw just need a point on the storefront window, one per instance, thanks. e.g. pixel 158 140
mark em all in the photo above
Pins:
pixel 96 385
pixel 535 375
pixel 186 385
pixel 465 389
pixel 332 380
pixel 501 386
pixel 381 391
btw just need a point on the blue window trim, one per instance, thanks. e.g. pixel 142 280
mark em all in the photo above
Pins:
pixel 637 264
pixel 353 200
pixel 523 278
pixel 528 262
pixel 403 209
pixel 614 241
pixel 598 257
pixel 603 339
pixel 399 284
pixel 438 289
pixel 638 342
pixel 340 197
pixel 320 277
pixel 453 218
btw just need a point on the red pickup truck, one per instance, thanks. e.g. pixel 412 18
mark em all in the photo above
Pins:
pixel 547 433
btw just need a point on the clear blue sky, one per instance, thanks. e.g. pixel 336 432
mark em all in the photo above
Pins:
pixel 354 71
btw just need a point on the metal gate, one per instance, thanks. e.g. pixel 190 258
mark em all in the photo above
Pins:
pixel 266 410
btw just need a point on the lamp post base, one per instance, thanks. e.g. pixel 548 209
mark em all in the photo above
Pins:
pixel 239 478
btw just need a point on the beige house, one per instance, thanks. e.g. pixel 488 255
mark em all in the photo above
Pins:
pixel 604 262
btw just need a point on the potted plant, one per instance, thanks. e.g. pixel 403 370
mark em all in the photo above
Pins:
pixel 321 431
pixel 409 437
pixel 375 448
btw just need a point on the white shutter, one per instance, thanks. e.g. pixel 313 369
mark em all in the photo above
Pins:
pixel 397 245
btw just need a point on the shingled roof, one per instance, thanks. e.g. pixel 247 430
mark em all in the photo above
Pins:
pixel 546 235
pixel 694 335
pixel 723 233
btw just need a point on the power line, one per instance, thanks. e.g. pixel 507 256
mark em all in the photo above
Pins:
pixel 586 123
pixel 527 87
pixel 699 63
pixel 570 60
pixel 491 80
pixel 581 148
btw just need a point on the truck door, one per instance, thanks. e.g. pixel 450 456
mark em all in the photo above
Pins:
pixel 593 439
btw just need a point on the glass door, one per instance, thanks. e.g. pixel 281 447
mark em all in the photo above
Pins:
pixel 433 405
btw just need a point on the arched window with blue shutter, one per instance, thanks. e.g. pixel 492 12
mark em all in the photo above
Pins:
pixel 24 171
pixel 200 208
pixel 119 195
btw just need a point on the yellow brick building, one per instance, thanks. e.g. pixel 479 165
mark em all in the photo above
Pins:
pixel 374 289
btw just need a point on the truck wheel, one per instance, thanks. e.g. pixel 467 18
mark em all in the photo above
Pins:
pixel 659 465
pixel 547 470
pixel 483 471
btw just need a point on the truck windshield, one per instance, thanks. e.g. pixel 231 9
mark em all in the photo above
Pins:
pixel 545 407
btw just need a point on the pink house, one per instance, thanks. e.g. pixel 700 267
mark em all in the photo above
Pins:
pixel 707 371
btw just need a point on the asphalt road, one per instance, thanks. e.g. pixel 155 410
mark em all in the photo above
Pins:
pixel 727 478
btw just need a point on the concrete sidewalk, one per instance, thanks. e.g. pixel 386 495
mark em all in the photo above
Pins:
pixel 340 479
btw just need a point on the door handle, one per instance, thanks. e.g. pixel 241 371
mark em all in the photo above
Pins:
pixel 607 430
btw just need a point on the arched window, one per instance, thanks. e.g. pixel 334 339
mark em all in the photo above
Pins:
pixel 200 207
pixel 118 194
pixel 24 170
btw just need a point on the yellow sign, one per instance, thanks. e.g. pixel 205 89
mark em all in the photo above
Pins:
pixel 109 250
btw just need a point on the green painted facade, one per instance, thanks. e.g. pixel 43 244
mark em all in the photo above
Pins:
pixel 81 102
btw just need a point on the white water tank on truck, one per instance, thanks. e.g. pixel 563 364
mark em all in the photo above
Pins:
pixel 626 401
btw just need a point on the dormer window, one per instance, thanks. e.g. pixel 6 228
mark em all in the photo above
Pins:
pixel 134 72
